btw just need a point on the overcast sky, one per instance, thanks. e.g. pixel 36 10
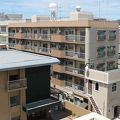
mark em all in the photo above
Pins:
pixel 109 9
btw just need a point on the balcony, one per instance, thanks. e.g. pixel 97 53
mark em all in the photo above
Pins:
pixel 57 81
pixel 58 38
pixel 73 70
pixel 74 86
pixel 75 54
pixel 19 35
pixel 19 47
pixel 44 50
pixel 75 38
pixel 107 77
pixel 59 68
pixel 17 84
pixel 29 35
pixel 58 53
pixel 12 45
pixel 44 36
pixel 11 34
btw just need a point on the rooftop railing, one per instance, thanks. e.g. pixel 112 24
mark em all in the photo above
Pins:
pixel 16 84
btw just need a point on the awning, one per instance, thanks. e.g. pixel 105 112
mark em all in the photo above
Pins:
pixel 40 105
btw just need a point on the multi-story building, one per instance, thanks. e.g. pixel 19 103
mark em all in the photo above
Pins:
pixel 77 42
pixel 24 85
pixel 6 19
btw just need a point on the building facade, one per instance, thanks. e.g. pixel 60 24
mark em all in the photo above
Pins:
pixel 76 43
pixel 25 80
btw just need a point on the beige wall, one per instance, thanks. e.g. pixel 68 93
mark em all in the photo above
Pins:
pixel 6 112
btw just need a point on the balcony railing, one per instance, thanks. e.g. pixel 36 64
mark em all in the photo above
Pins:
pixel 75 38
pixel 75 54
pixel 44 50
pixel 12 44
pixel 29 35
pixel 44 36
pixel 74 86
pixel 16 84
pixel 27 47
pixel 12 34
pixel 74 70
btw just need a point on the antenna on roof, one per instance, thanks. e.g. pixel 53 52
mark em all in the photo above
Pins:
pixel 99 7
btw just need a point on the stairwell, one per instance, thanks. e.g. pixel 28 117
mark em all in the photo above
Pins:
pixel 94 105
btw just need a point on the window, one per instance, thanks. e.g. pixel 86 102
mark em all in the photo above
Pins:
pixel 69 47
pixel 82 49
pixel 3 29
pixel 54 46
pixel 35 43
pixel 114 87
pixel 16 118
pixel 3 39
pixel 13 77
pixel 112 35
pixel 82 32
pixel 54 31
pixel 111 65
pixel 101 52
pixel 14 101
pixel 101 35
pixel 100 67
pixel 111 50
pixel 96 86
pixel 45 45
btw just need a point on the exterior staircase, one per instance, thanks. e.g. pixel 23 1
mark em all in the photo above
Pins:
pixel 94 105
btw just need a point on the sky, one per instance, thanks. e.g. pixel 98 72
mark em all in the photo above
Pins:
pixel 109 9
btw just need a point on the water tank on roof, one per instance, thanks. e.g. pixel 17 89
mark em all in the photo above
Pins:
pixel 78 8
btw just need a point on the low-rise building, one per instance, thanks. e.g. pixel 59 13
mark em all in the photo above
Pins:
pixel 24 85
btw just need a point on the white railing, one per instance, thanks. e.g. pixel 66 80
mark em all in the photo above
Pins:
pixel 74 86
pixel 28 47
pixel 44 36
pixel 44 50
pixel 12 44
pixel 29 35
pixel 74 70
pixel 16 84
pixel 75 38
pixel 75 54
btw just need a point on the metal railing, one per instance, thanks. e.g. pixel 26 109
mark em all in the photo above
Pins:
pixel 44 36
pixel 16 84
pixel 75 38
pixel 44 50
pixel 75 54
pixel 74 70
pixel 29 35
pixel 12 44
pixel 74 86
pixel 12 34
pixel 27 47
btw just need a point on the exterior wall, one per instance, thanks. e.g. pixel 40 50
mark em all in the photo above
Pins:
pixel 75 109
pixel 113 100
pixel 7 112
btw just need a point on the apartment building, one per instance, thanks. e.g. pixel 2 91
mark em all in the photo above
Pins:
pixel 76 42
pixel 6 19
pixel 24 85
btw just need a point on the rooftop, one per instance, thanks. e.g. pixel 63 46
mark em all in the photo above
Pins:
pixel 13 59
pixel 92 116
